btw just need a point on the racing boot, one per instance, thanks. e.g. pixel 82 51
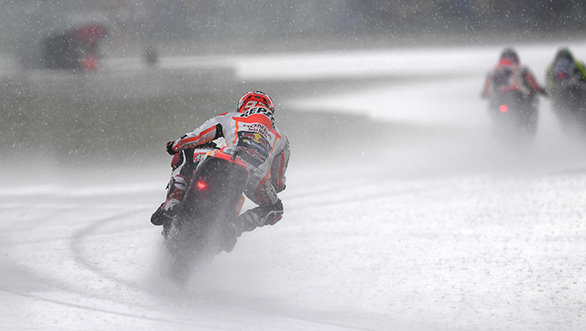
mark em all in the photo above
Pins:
pixel 248 221
pixel 168 209
pixel 260 216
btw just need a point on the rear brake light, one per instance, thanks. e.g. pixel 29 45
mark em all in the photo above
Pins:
pixel 201 185
pixel 503 108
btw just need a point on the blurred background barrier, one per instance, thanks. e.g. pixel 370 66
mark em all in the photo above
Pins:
pixel 113 99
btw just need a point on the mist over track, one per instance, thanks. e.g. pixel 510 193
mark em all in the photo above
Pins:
pixel 401 210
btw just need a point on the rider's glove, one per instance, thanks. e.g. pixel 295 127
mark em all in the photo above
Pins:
pixel 170 148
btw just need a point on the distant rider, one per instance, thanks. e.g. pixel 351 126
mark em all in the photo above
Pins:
pixel 509 75
pixel 251 136
pixel 566 69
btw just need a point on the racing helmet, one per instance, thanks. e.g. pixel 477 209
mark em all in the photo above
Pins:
pixel 564 53
pixel 255 99
pixel 510 54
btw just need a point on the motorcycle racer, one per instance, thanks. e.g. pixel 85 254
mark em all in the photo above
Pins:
pixel 565 68
pixel 250 136
pixel 510 75
pixel 566 82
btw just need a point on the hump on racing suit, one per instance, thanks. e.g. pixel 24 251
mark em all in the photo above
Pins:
pixel 562 69
pixel 507 76
pixel 254 143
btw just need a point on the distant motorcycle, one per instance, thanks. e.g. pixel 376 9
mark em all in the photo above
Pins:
pixel 514 114
pixel 568 95
pixel 513 103
pixel 201 229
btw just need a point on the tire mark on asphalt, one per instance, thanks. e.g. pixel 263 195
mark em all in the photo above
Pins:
pixel 107 311
pixel 76 246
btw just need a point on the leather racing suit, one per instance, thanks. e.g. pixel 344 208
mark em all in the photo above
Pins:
pixel 253 138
